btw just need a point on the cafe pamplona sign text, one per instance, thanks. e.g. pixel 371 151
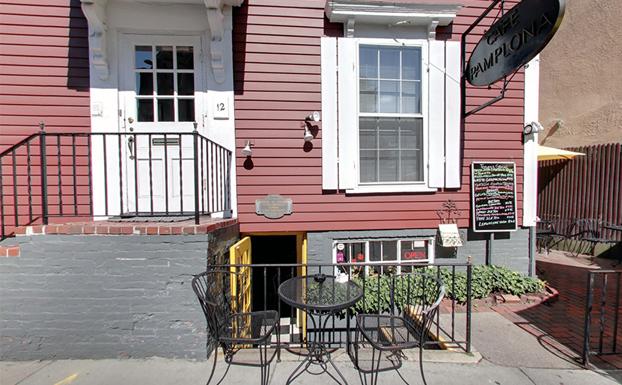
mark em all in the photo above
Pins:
pixel 515 39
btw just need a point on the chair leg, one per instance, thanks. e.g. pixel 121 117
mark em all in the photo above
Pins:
pixel 278 341
pixel 421 363
pixel 213 366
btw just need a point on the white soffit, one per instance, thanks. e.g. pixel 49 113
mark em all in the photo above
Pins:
pixel 395 12
pixel 95 13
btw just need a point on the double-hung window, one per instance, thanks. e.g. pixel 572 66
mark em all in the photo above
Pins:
pixel 390 118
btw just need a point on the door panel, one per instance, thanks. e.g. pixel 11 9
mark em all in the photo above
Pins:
pixel 160 84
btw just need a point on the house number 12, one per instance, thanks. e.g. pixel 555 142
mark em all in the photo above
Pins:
pixel 221 111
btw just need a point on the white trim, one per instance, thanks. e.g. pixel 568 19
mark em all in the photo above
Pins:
pixel 453 139
pixel 348 109
pixel 436 111
pixel 530 149
pixel 422 13
pixel 329 113
pixel 390 188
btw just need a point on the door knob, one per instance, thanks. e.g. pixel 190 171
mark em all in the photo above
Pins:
pixel 130 120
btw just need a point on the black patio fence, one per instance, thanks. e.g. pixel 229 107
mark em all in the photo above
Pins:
pixel 62 174
pixel 602 314
pixel 585 189
pixel 451 328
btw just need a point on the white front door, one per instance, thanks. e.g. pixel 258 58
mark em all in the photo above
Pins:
pixel 160 85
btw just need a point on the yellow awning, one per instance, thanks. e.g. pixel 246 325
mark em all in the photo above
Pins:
pixel 550 153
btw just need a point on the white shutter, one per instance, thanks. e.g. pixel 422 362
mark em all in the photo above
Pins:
pixel 453 171
pixel 329 113
pixel 436 114
pixel 347 117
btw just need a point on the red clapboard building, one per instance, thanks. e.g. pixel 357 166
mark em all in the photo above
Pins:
pixel 192 108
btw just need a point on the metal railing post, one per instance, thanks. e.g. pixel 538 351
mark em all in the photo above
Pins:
pixel 44 181
pixel 195 138
pixel 468 304
pixel 588 319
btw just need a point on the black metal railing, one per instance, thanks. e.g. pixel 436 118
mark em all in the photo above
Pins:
pixel 602 305
pixel 77 175
pixel 450 329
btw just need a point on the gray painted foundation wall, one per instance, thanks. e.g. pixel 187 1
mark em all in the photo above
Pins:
pixel 509 249
pixel 105 296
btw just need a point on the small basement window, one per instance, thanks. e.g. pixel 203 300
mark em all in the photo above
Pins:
pixel 388 253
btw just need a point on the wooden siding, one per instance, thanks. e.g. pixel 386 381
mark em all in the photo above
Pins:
pixel 44 77
pixel 44 68
pixel 277 83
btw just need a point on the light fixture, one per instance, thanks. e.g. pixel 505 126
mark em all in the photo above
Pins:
pixel 308 135
pixel 247 150
pixel 532 128
pixel 314 116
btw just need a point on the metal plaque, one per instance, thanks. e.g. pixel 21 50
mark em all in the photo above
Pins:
pixel 515 39
pixel 274 206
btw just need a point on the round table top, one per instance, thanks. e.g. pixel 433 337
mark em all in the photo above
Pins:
pixel 319 292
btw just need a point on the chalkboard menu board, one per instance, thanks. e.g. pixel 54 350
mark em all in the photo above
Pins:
pixel 493 194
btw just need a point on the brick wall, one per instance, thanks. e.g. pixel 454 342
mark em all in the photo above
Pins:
pixel 79 296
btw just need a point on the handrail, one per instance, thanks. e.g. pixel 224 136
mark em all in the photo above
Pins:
pixel 66 167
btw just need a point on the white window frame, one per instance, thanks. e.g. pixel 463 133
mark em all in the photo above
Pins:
pixel 398 261
pixel 390 187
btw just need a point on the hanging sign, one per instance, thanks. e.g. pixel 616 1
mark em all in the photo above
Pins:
pixel 493 193
pixel 273 206
pixel 515 39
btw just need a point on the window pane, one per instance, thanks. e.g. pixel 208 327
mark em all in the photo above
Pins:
pixel 389 250
pixel 185 58
pixel 145 110
pixel 367 135
pixel 389 96
pixel 165 84
pixel 374 251
pixel 411 64
pixel 144 83
pixel 165 110
pixel 389 134
pixel 411 134
pixel 411 99
pixel 185 110
pixel 368 57
pixel 388 165
pixel 411 165
pixel 389 63
pixel 164 57
pixel 369 166
pixel 143 57
pixel 368 97
pixel 185 84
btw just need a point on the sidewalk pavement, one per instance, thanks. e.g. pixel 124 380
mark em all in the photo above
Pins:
pixel 504 354
pixel 159 371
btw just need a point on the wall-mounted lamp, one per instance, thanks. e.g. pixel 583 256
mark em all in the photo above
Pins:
pixel 308 135
pixel 313 117
pixel 532 128
pixel 247 150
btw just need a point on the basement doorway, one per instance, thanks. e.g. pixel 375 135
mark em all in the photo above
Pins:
pixel 281 249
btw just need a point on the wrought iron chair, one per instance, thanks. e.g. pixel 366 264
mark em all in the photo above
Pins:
pixel 232 330
pixel 413 304
pixel 592 231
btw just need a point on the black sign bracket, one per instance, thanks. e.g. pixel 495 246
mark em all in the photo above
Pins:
pixel 463 82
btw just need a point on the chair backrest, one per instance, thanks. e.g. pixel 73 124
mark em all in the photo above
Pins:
pixel 416 296
pixel 212 289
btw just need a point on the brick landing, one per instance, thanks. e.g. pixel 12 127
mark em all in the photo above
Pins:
pixel 207 225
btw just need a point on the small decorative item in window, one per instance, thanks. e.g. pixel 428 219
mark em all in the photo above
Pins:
pixel 340 257
pixel 360 257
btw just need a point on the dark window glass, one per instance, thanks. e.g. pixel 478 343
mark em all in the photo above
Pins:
pixel 166 111
pixel 164 57
pixel 165 84
pixel 185 110
pixel 143 57
pixel 185 84
pixel 185 58
pixel 144 83
pixel 145 110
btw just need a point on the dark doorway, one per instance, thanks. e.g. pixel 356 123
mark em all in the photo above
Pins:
pixel 273 250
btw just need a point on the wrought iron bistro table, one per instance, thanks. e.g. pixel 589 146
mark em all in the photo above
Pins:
pixel 319 295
